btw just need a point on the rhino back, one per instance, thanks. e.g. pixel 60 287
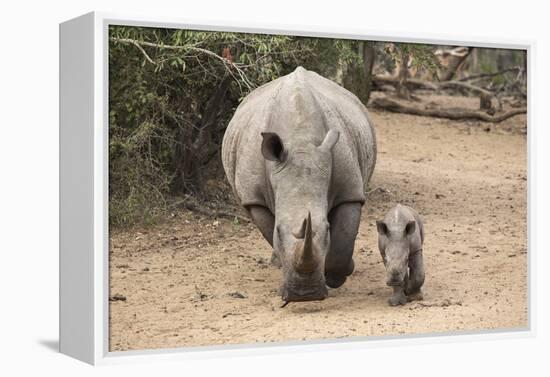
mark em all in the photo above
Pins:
pixel 300 106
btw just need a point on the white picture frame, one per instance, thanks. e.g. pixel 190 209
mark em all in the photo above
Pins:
pixel 84 314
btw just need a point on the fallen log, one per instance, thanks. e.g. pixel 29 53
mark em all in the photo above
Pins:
pixel 454 113
pixel 491 74
pixel 465 86
pixel 427 85
pixel 413 84
pixel 485 96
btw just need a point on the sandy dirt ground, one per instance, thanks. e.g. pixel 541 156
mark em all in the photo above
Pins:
pixel 194 280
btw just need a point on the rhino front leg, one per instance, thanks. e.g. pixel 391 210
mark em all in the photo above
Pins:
pixel 265 221
pixel 416 276
pixel 344 224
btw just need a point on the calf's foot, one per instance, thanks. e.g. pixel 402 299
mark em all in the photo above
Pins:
pixel 397 300
pixel 398 297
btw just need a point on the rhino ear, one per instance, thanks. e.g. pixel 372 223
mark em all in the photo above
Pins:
pixel 410 228
pixel 272 146
pixel 331 138
pixel 381 227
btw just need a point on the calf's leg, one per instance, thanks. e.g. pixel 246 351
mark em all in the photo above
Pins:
pixel 344 224
pixel 265 221
pixel 416 276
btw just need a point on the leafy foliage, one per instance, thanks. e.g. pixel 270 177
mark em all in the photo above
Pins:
pixel 421 56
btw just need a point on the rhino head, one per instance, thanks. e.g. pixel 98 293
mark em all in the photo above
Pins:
pixel 299 171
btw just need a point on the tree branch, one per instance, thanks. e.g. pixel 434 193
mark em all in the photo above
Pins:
pixel 229 64
pixel 136 43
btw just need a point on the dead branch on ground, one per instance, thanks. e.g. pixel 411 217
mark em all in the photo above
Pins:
pixel 213 212
pixel 454 114
pixel 491 74
pixel 486 97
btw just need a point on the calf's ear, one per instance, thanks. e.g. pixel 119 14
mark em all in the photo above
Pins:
pixel 381 227
pixel 331 138
pixel 410 228
pixel 272 146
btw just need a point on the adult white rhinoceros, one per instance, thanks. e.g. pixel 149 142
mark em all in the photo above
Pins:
pixel 298 154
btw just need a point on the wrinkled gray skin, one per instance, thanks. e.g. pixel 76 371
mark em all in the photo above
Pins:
pixel 298 153
pixel 400 238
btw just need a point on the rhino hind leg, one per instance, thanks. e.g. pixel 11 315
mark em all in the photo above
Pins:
pixel 265 221
pixel 344 224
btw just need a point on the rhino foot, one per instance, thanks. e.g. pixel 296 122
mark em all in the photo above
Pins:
pixel 398 297
pixel 417 296
pixel 397 300
pixel 335 281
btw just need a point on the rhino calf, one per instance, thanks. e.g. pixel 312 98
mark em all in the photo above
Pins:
pixel 400 239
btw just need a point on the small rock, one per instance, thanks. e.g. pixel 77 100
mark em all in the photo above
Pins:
pixel 117 297
pixel 202 296
pixel 237 295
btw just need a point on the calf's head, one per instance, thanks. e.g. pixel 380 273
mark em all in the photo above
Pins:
pixel 394 244
pixel 299 171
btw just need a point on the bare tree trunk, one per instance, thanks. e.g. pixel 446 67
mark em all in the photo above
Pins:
pixel 369 55
pixel 402 75
pixel 339 74
pixel 357 78
pixel 475 60
pixel 524 70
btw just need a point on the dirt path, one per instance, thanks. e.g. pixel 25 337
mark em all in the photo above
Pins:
pixel 196 281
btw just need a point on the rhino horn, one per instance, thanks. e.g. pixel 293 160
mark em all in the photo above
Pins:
pixel 304 257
